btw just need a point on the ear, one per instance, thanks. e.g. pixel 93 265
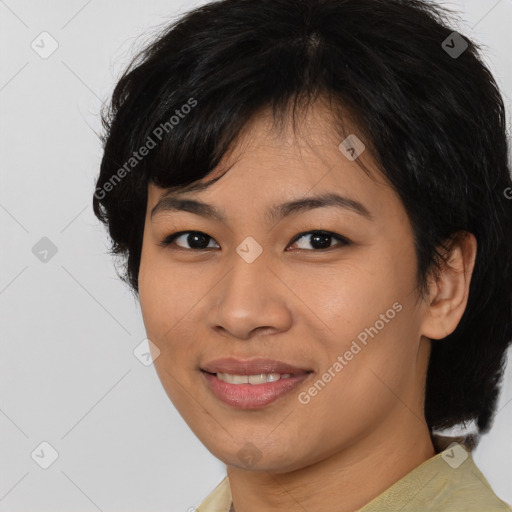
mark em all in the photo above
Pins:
pixel 449 292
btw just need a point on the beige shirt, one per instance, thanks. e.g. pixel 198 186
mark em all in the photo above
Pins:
pixel 448 482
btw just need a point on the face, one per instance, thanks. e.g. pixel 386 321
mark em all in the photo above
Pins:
pixel 340 305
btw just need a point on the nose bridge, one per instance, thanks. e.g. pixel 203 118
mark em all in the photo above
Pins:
pixel 249 250
pixel 247 299
pixel 248 274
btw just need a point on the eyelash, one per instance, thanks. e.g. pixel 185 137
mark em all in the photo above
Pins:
pixel 168 240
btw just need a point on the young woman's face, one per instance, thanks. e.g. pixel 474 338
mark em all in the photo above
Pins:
pixel 345 315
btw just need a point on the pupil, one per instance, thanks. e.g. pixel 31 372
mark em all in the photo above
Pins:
pixel 325 238
pixel 196 236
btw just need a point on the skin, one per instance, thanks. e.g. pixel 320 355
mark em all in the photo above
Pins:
pixel 366 428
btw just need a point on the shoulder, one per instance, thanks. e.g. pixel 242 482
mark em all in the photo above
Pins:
pixel 468 490
pixel 448 482
pixel 466 485
pixel 219 500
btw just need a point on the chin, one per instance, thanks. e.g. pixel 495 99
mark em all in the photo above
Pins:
pixel 249 457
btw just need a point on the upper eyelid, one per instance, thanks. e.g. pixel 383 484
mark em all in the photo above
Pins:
pixel 173 236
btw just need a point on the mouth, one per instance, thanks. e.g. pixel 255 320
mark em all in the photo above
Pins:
pixel 232 366
pixel 252 384
pixel 253 379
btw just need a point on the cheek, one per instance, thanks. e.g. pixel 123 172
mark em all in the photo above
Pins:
pixel 360 381
pixel 374 324
pixel 155 293
pixel 165 302
pixel 169 294
pixel 350 297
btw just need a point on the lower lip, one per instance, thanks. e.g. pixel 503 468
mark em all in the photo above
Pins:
pixel 251 396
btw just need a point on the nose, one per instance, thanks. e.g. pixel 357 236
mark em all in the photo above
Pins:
pixel 250 300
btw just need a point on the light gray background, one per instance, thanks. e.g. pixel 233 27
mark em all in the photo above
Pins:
pixel 68 375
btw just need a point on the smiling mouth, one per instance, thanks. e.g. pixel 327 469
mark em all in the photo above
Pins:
pixel 258 366
pixel 253 379
pixel 252 391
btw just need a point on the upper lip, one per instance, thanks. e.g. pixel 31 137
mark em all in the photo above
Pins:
pixel 251 367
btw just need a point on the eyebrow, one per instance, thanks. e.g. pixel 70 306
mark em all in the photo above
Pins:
pixel 171 202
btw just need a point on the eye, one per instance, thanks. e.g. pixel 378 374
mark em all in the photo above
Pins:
pixel 321 239
pixel 197 240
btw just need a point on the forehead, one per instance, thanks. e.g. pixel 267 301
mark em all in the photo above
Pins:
pixel 270 165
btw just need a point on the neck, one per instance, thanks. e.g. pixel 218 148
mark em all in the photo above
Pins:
pixel 342 482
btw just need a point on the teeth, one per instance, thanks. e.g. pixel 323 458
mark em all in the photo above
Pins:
pixel 261 378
